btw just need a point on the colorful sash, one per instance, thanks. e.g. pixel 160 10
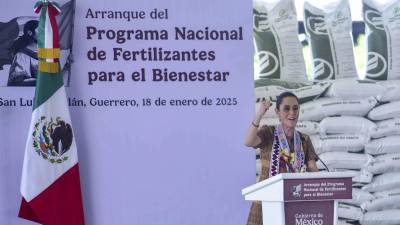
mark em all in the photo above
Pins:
pixel 281 155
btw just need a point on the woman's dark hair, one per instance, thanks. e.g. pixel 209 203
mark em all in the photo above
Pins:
pixel 27 38
pixel 283 95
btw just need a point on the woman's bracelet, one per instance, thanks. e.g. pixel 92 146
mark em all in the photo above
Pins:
pixel 255 125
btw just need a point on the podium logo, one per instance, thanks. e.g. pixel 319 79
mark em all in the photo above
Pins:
pixel 260 21
pixel 317 25
pixel 322 70
pixel 373 18
pixel 268 63
pixel 376 65
pixel 296 191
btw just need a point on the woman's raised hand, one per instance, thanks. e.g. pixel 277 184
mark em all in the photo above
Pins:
pixel 252 139
pixel 264 106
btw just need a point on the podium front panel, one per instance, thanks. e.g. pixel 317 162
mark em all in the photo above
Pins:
pixel 317 189
pixel 309 213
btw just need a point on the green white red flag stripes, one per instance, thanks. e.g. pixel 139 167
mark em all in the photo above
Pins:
pixel 50 184
pixel 48 38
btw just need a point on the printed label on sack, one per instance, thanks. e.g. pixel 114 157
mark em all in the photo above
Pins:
pixel 322 70
pixel 269 63
pixel 376 65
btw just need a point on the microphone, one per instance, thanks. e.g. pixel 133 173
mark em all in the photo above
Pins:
pixel 318 158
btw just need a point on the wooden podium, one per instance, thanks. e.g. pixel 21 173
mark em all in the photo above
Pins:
pixel 301 198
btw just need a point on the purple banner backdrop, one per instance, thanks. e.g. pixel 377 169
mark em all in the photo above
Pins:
pixel 144 160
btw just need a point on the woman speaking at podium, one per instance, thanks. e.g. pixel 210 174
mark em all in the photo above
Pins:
pixel 282 148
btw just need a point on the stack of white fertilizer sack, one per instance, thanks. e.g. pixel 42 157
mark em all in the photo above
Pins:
pixel 354 125
pixel 359 133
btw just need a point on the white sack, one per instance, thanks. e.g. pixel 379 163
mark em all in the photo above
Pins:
pixel 385 163
pixel 387 128
pixel 354 89
pixel 349 212
pixel 382 38
pixel 358 197
pixel 363 177
pixel 358 176
pixel 339 143
pixel 383 182
pixel 383 145
pixel 347 125
pixel 379 204
pixel 344 160
pixel 386 217
pixel 318 109
pixel 392 91
pixel 387 193
pixel 385 111
pixel 328 27
pixel 275 29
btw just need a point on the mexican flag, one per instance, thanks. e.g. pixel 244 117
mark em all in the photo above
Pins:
pixel 50 184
